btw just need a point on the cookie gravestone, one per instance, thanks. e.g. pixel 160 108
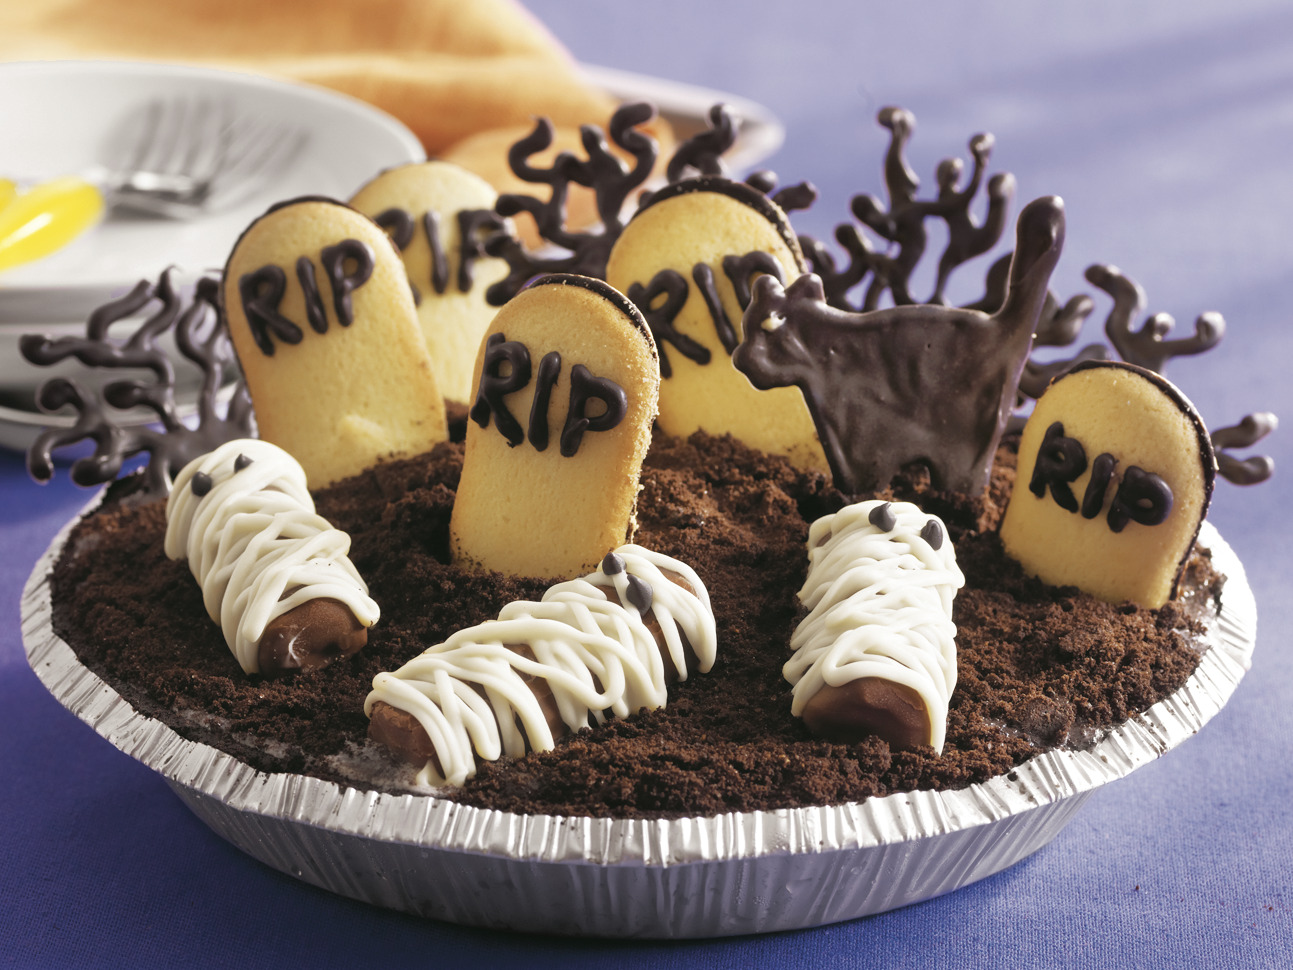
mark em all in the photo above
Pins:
pixel 1115 475
pixel 438 216
pixel 322 318
pixel 566 387
pixel 688 259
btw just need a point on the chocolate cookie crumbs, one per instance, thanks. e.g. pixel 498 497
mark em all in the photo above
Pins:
pixel 1038 666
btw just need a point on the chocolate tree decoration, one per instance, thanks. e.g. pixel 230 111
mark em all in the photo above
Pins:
pixel 927 384
pixel 611 180
pixel 702 154
pixel 200 337
pixel 1147 347
pixel 1252 429
pixel 901 225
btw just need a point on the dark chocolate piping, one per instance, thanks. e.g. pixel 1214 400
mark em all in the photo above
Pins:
pixel 742 193
pixel 608 293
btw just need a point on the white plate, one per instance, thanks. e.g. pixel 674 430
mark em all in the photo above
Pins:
pixel 56 115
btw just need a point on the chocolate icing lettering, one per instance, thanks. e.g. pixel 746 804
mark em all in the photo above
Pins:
pixel 741 270
pixel 261 292
pixel 1060 461
pixel 1101 474
pixel 1142 497
pixel 314 312
pixel 703 274
pixel 660 318
pixel 439 258
pixel 398 224
pixel 506 369
pixel 549 368
pixel 475 227
pixel 349 264
pixel 584 387
pixel 671 284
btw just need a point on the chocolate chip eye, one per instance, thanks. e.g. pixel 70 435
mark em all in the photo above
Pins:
pixel 241 462
pixel 882 518
pixel 201 483
pixel 640 593
pixel 613 564
pixel 933 534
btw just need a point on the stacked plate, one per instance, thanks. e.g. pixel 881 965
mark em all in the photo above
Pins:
pixel 66 113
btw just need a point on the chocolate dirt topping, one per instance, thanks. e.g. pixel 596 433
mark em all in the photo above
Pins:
pixel 1039 666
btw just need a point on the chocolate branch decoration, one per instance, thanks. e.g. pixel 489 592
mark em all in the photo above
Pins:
pixel 611 180
pixel 702 154
pixel 200 337
pixel 901 225
pixel 1252 429
pixel 1146 346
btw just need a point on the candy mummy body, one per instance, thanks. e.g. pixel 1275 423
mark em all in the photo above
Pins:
pixel 270 568
pixel 881 580
pixel 590 644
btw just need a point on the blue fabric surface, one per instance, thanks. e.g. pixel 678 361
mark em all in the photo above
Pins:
pixel 1168 129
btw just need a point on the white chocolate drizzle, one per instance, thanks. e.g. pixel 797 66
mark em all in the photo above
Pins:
pixel 880 605
pixel 598 657
pixel 255 544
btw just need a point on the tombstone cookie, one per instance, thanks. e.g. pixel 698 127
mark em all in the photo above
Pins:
pixel 688 259
pixel 322 319
pixel 565 393
pixel 438 216
pixel 1115 474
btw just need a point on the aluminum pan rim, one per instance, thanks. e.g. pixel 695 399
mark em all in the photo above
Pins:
pixel 227 794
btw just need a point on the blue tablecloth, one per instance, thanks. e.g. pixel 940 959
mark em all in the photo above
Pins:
pixel 1167 127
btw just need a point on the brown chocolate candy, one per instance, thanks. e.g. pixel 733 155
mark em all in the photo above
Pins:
pixel 311 635
pixel 869 706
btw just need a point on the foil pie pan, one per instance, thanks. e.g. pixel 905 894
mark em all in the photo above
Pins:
pixel 739 873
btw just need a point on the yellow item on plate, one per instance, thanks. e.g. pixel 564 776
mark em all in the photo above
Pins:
pixel 45 218
pixel 7 191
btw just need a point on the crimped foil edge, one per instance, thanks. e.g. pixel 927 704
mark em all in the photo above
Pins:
pixel 733 873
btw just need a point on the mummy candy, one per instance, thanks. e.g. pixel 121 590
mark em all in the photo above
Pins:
pixel 607 644
pixel 876 652
pixel 274 574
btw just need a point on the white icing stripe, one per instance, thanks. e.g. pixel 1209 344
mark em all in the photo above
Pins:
pixel 254 537
pixel 598 657
pixel 880 605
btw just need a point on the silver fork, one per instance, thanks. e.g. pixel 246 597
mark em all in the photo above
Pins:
pixel 180 157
